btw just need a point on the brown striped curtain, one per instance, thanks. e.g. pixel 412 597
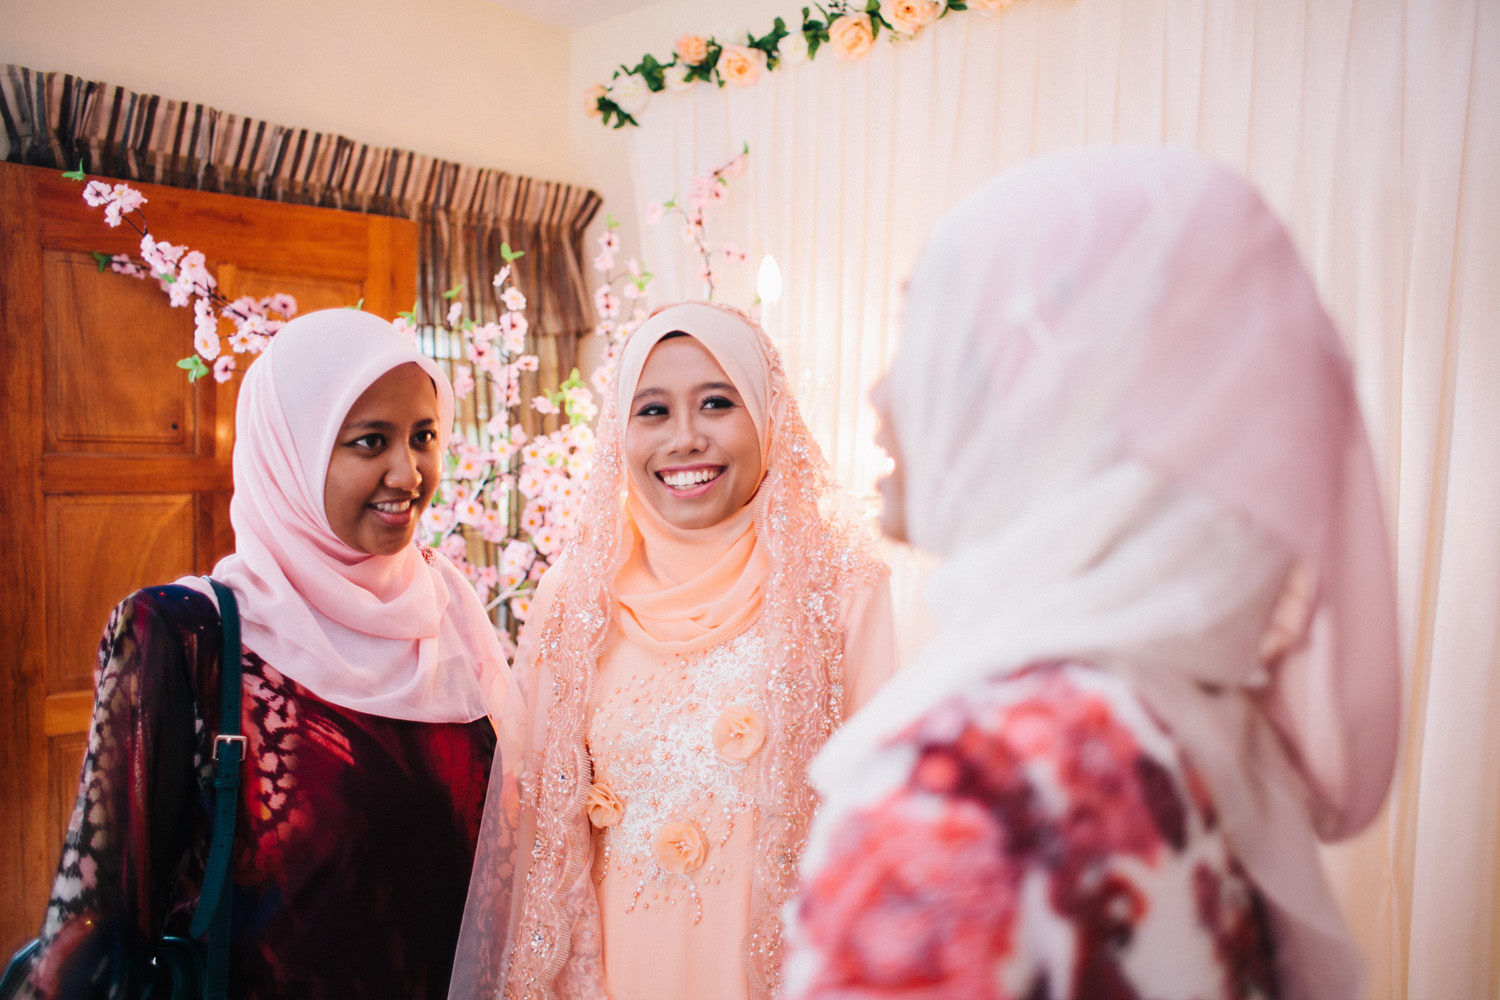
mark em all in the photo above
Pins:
pixel 465 213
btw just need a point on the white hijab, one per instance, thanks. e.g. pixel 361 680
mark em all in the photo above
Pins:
pixel 1123 418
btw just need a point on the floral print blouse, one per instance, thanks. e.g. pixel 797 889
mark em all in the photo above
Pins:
pixel 353 843
pixel 1048 842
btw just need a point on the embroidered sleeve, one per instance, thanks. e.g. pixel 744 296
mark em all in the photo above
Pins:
pixel 1048 843
pixel 124 849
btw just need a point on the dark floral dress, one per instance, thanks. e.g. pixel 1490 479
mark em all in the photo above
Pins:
pixel 353 844
pixel 1048 842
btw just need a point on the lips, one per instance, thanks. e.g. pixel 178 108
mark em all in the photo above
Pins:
pixel 690 482
pixel 394 512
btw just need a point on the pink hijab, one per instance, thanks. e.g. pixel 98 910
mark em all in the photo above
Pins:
pixel 1124 420
pixel 400 636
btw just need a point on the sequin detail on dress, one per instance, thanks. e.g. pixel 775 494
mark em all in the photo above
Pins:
pixel 653 745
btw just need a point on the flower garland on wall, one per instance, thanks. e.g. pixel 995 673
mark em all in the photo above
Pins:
pixel 848 27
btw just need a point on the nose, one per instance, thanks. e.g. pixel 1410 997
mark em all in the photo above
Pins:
pixel 403 473
pixel 687 431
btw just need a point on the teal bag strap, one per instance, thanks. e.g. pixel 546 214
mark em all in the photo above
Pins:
pixel 214 907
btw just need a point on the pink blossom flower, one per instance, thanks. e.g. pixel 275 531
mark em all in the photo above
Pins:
pixel 469 512
pixel 530 483
pixel 455 312
pixel 516 556
pixel 514 326
pixel 527 363
pixel 470 463
pixel 492 528
pixel 604 261
pixel 501 275
pixel 463 382
pixel 284 304
pixel 544 405
pixel 404 327
pixel 591 100
pixel 437 519
pixel 513 298
pixel 455 547
pixel 224 368
pixel 532 518
pixel 520 607
pixel 206 344
pixel 240 341
pixel 605 302
pixel 96 193
pixel 610 242
pixel 653 213
pixel 733 253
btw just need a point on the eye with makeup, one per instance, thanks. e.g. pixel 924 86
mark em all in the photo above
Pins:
pixel 715 401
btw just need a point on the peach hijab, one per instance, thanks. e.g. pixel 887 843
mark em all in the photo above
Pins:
pixel 1123 419
pixel 683 589
pixel 402 636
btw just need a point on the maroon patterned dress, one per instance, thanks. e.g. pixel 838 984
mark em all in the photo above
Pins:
pixel 352 847
pixel 1048 842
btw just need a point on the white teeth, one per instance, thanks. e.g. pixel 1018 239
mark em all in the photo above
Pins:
pixel 393 507
pixel 682 480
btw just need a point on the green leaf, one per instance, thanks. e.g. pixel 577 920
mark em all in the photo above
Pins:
pixel 410 315
pixel 168 278
pixel 103 260
pixel 358 305
pixel 510 255
pixel 74 175
pixel 746 150
pixel 452 293
pixel 194 366
pixel 610 222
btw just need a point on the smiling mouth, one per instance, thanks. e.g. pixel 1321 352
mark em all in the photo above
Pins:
pixel 394 506
pixel 689 479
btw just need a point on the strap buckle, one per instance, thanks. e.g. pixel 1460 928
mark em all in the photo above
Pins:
pixel 221 738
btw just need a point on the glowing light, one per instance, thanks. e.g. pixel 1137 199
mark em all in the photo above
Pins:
pixel 768 281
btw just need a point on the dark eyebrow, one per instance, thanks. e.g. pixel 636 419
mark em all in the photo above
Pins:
pixel 705 387
pixel 383 425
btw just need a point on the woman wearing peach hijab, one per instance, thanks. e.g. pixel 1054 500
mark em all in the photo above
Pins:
pixel 1166 659
pixel 368 668
pixel 708 628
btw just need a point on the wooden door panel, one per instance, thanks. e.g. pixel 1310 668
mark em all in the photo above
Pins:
pixel 101 548
pixel 118 471
pixel 110 388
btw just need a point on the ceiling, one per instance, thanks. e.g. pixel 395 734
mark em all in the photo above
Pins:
pixel 572 13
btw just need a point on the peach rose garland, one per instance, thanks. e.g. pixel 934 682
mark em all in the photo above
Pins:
pixel 691 48
pixel 741 65
pixel 604 806
pixel 851 35
pixel 739 732
pixel 909 16
pixel 679 847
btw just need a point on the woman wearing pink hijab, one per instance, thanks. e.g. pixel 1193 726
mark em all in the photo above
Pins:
pixel 370 670
pixel 714 620
pixel 1166 659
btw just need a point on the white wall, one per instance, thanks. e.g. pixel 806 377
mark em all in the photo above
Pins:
pixel 463 80
pixel 598 153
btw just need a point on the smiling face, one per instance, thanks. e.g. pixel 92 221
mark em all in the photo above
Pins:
pixel 690 443
pixel 385 463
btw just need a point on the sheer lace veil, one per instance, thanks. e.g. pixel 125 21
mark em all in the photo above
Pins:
pixel 537 936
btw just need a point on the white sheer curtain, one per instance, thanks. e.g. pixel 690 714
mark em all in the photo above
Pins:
pixel 1374 127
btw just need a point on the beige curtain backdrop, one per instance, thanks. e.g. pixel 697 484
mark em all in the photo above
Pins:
pixel 1374 128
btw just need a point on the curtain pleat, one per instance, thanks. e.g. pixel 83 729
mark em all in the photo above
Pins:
pixel 1373 127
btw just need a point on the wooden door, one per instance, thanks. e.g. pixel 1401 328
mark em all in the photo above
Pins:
pixel 116 471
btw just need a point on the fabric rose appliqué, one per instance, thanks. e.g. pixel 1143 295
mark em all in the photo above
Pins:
pixel 604 806
pixel 739 732
pixel 679 847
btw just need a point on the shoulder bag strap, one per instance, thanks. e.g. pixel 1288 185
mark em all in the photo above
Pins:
pixel 213 910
